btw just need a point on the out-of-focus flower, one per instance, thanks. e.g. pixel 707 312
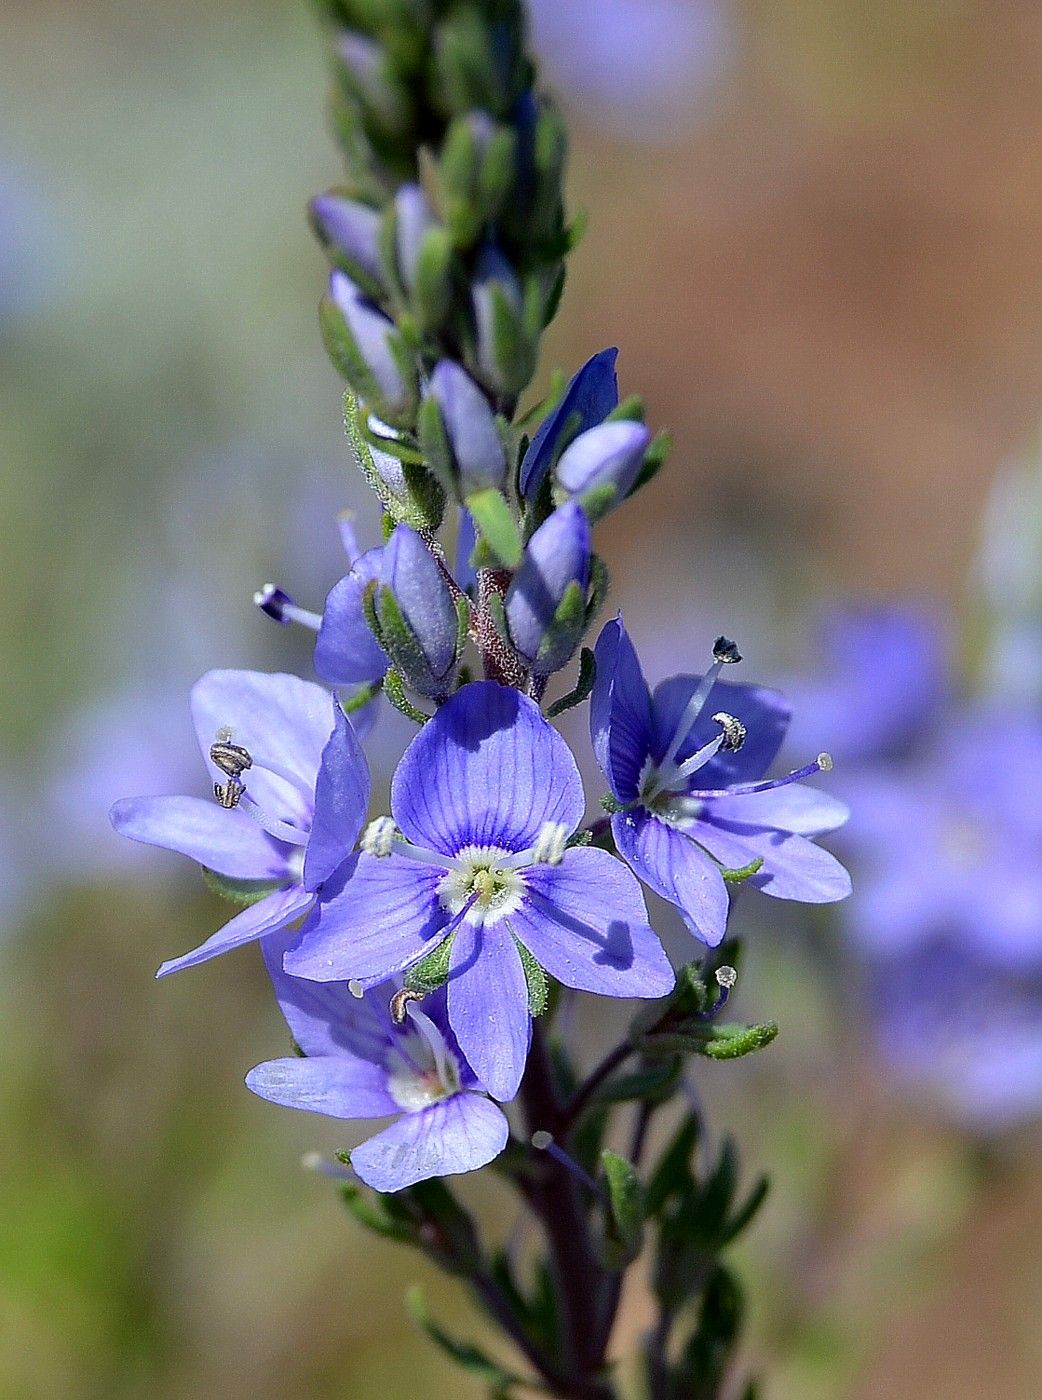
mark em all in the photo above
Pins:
pixel 645 67
pixel 962 1031
pixel 355 1062
pixel 486 798
pixel 292 788
pixel 685 767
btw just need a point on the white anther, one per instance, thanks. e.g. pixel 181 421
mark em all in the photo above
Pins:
pixel 825 762
pixel 356 989
pixel 379 837
pixel 734 730
pixel 550 844
pixel 726 977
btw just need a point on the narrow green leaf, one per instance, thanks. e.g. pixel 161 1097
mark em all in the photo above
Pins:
pixel 464 1354
pixel 244 892
pixel 626 1201
pixel 497 526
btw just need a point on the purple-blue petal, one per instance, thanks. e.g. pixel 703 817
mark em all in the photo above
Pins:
pixel 793 867
pixel 488 1006
pixel 272 912
pixel 350 228
pixel 459 1134
pixel 486 770
pixel 341 802
pixel 586 923
pixel 557 555
pixel 764 713
pixel 620 711
pixel 471 428
pixel 337 1086
pixel 611 454
pixel 324 1018
pixel 229 842
pixel 591 395
pixel 675 868
pixel 375 918
pixel 346 652
pixel 795 807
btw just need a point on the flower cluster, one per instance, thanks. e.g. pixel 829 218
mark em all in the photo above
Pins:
pixel 411 949
pixel 948 851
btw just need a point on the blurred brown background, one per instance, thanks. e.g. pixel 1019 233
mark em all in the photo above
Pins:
pixel 819 246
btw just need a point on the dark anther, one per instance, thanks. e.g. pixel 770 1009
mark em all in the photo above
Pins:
pixel 232 759
pixel 726 651
pixel 400 1004
pixel 229 793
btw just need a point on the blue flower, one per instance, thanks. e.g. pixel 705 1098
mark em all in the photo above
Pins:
pixel 357 1063
pixel 484 801
pixel 684 766
pixel 553 574
pixel 292 789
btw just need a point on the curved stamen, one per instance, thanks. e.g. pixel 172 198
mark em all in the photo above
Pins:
pixel 282 831
pixel 444 1060
pixel 666 778
pixel 725 653
pixel 276 603
pixel 822 764
pixel 548 849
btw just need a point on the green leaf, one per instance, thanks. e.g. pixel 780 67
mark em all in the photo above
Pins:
pixel 731 1042
pixel 653 1084
pixel 747 1211
pixel 626 1201
pixel 432 971
pixel 673 1176
pixel 535 979
pixel 464 1354
pixel 631 410
pixel 497 526
pixel 244 892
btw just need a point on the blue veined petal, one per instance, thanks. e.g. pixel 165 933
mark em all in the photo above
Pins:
pixel 346 652
pixel 805 810
pixel 793 867
pixel 337 1086
pixel 273 912
pixel 459 1134
pixel 228 842
pixel 488 1006
pixel 325 1018
pixel 341 803
pixel 674 867
pixel 620 711
pixel 764 713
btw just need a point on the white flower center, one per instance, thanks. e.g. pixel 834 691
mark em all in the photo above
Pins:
pixel 480 874
pixel 421 1069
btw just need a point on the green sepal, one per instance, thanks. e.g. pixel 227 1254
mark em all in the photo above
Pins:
pixel 535 981
pixel 654 460
pixel 747 1211
pixel 600 582
pixel 432 293
pixel 434 444
pixel 625 1225
pixel 563 635
pixel 462 623
pixel 496 171
pixel 731 1042
pixel 631 410
pixel 369 612
pixel 394 689
pixel 478 64
pixel 342 349
pixel 746 872
pixel 653 1084
pixel 599 500
pixel 418 512
pixel 351 704
pixel 583 686
pixel 377 1212
pixel 242 892
pixel 401 644
pixel 498 613
pixel 497 526
pixel 512 351
pixel 464 1354
pixel 431 972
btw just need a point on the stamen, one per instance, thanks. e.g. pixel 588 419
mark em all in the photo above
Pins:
pixel 276 603
pixel 282 831
pixel 822 764
pixel 547 849
pixel 544 1142
pixel 726 977
pixel 379 837
pixel 734 731
pixel 229 794
pixel 445 1061
pixel 230 758
pixel 725 653
pixel 400 1004
pixel 356 989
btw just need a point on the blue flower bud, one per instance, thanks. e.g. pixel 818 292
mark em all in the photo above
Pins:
pixel 417 613
pixel 367 73
pixel 591 395
pixel 365 355
pixel 414 220
pixel 470 428
pixel 608 456
pixel 350 231
pixel 545 603
pixel 507 341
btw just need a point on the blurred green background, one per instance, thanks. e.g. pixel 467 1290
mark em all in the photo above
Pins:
pixel 816 233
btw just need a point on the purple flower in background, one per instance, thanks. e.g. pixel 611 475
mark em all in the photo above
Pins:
pixel 484 801
pixel 963 1031
pixel 350 231
pixel 592 393
pixel 883 680
pixel 292 788
pixel 684 764
pixel 951 843
pixel 357 1063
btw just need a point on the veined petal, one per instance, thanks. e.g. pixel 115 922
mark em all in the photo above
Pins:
pixel 346 652
pixel 229 842
pixel 284 723
pixel 487 770
pixel 677 870
pixel 764 713
pixel 324 1017
pixel 375 918
pixel 796 807
pixel 793 867
pixel 620 711
pixel 585 921
pixel 341 802
pixel 458 1134
pixel 488 1006
pixel 336 1086
pixel 268 914
pixel 591 395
